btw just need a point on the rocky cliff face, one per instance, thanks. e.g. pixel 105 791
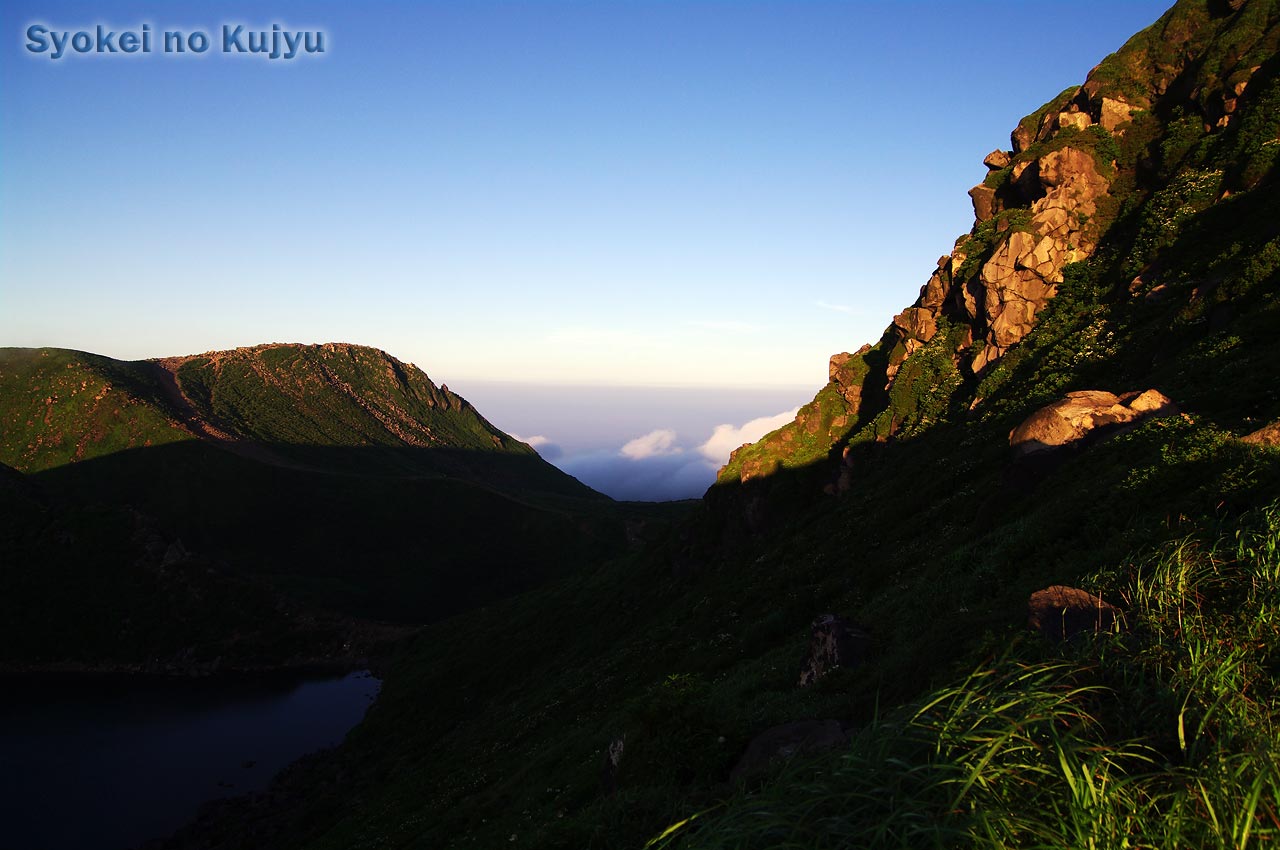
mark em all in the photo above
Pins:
pixel 1060 190
pixel 1105 174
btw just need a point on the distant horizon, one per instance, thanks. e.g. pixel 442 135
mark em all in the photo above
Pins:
pixel 636 443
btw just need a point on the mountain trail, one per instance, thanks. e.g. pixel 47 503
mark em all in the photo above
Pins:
pixel 166 370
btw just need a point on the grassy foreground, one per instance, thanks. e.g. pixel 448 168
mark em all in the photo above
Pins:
pixel 1162 734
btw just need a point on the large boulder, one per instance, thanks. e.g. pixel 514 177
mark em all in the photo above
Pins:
pixel 1012 293
pixel 984 202
pixel 1085 414
pixel 1267 435
pixel 1060 612
pixel 1078 120
pixel 848 371
pixel 997 160
pixel 916 323
pixel 1071 181
pixel 1113 114
pixel 934 293
pixel 787 740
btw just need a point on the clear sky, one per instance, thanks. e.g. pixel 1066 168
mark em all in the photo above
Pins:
pixel 646 193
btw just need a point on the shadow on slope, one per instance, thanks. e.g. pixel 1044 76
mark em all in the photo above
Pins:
pixel 382 543
pixel 103 588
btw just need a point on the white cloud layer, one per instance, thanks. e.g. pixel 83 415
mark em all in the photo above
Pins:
pixel 655 467
pixel 725 438
pixel 542 445
pixel 654 444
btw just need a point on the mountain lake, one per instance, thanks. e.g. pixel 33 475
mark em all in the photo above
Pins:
pixel 107 762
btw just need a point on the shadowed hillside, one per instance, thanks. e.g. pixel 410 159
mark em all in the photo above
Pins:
pixel 332 476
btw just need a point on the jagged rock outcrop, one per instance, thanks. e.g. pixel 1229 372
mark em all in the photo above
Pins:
pixel 1089 157
pixel 1086 414
pixel 1061 190
pixel 847 372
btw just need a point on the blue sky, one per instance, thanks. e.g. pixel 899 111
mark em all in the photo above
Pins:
pixel 705 193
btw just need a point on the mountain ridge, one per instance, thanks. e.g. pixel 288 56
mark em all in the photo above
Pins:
pixel 267 403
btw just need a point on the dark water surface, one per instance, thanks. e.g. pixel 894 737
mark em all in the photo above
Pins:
pixel 107 762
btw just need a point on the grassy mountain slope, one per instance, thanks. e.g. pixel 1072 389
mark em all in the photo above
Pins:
pixel 288 405
pixel 335 474
pixel 58 406
pixel 895 500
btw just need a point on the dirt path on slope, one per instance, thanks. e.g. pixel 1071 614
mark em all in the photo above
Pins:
pixel 166 371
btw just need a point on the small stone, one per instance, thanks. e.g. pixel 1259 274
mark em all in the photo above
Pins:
pixel 996 160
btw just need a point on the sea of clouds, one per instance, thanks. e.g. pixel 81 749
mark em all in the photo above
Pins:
pixel 658 465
